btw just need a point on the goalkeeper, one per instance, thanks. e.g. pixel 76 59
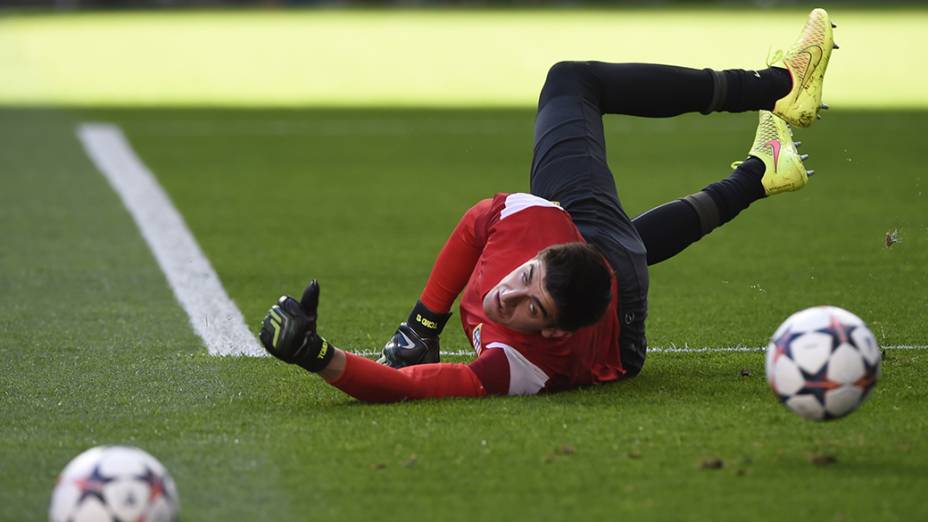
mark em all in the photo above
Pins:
pixel 554 283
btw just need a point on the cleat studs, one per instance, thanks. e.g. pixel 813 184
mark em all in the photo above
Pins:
pixel 797 143
pixel 810 173
pixel 834 25
pixel 818 116
pixel 835 46
pixel 803 157
pixel 825 106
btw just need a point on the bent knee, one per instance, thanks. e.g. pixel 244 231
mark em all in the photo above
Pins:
pixel 568 68
pixel 568 78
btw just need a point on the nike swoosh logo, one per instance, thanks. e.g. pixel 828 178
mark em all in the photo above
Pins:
pixel 775 145
pixel 815 56
pixel 407 344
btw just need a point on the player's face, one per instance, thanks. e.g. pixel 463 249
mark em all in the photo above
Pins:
pixel 520 302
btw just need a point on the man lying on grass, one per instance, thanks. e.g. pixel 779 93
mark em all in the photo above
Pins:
pixel 554 284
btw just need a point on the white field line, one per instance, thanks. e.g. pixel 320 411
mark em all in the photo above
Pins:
pixel 213 315
pixel 676 349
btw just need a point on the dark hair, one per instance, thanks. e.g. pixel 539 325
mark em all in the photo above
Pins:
pixel 578 279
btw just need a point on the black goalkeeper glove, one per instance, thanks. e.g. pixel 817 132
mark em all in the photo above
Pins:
pixel 289 331
pixel 416 340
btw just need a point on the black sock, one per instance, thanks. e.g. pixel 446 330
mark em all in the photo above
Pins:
pixel 668 229
pixel 739 90
pixel 654 90
pixel 734 193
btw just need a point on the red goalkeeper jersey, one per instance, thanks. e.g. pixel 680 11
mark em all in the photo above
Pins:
pixel 505 232
pixel 493 238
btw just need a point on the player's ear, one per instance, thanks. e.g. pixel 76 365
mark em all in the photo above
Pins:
pixel 555 333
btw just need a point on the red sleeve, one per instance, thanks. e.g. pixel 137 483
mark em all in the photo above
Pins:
pixel 457 259
pixel 504 370
pixel 492 368
pixel 369 381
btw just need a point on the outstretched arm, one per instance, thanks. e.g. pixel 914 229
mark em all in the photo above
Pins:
pixel 368 381
pixel 494 372
pixel 289 333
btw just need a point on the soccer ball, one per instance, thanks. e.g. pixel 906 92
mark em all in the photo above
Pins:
pixel 823 362
pixel 114 484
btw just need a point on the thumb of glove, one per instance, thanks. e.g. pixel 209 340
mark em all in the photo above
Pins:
pixel 310 302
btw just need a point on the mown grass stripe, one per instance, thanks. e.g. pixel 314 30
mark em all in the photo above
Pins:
pixel 213 315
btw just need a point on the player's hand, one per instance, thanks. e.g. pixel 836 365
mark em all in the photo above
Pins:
pixel 407 348
pixel 416 340
pixel 289 331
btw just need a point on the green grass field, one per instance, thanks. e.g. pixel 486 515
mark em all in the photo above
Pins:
pixel 96 349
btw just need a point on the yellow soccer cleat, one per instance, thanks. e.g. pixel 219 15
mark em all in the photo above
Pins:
pixel 806 62
pixel 774 145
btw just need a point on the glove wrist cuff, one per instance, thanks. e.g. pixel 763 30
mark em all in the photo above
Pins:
pixel 315 360
pixel 425 322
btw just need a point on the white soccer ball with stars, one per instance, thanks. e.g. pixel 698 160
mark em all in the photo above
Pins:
pixel 822 362
pixel 114 484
